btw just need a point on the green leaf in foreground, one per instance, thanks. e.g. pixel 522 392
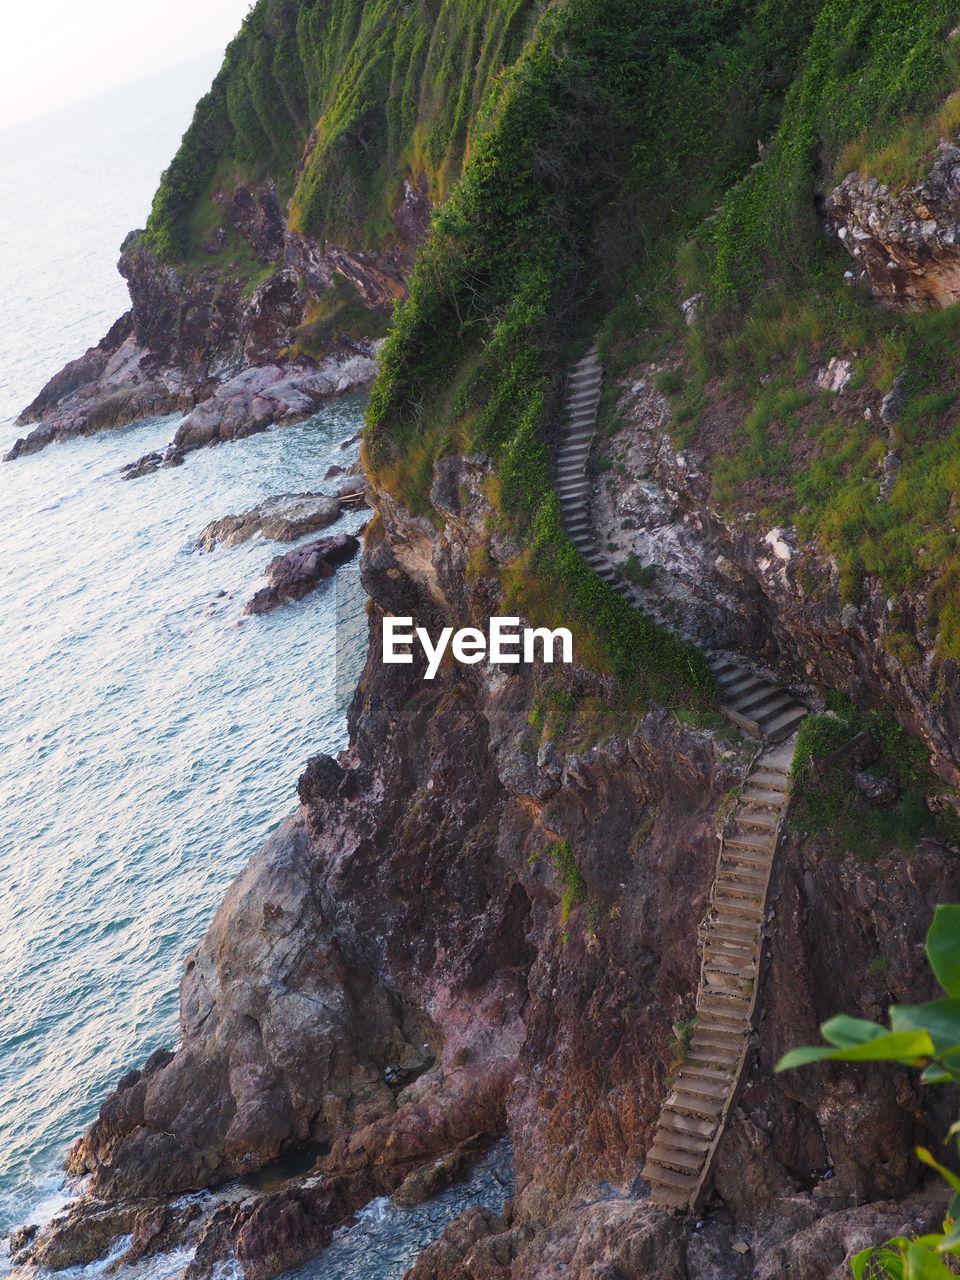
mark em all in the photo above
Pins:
pixel 907 1047
pixel 943 947
pixel 940 1018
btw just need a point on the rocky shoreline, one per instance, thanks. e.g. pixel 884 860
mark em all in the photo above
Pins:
pixel 394 980
pixel 223 346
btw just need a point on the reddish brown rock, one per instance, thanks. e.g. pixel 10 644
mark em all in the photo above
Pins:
pixel 292 576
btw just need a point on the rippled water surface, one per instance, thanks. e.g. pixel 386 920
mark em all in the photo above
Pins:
pixel 149 739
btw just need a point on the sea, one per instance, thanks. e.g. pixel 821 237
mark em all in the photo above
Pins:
pixel 150 735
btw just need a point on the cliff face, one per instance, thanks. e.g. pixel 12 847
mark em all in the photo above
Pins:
pixel 211 338
pixel 763 589
pixel 512 917
pixel 285 227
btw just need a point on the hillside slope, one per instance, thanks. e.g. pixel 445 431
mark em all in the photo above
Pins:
pixel 285 226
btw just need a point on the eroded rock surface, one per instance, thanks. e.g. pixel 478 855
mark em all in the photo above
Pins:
pixel 906 245
pixel 212 339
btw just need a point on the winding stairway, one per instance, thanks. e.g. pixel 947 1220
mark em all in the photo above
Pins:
pixel 704 1091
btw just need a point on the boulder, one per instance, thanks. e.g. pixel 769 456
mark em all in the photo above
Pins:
pixel 292 576
pixel 283 518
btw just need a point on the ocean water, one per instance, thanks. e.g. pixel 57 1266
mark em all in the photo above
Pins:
pixel 150 737
pixel 72 184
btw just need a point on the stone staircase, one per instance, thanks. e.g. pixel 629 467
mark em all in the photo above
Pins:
pixel 702 1096
pixel 758 705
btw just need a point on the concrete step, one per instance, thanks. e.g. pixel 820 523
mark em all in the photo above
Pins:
pixel 770 779
pixel 709 1073
pixel 725 1055
pixel 655 1172
pixel 765 701
pixel 700 1087
pixel 745 855
pixel 784 724
pixel 743 967
pixel 671 1142
pixel 669 1198
pixel 671 1158
pixel 582 398
pixel 735 1008
pixel 739 894
pixel 746 904
pixel 722 1029
pixel 725 933
pixel 690 1126
pixel 735 950
pixel 740 684
pixel 731 866
pixel 757 819
pixel 717 982
pixel 766 796
pixel 693 1104
pixel 750 838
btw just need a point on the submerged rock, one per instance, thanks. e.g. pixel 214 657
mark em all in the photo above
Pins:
pixel 292 576
pixel 283 518
pixel 440 1173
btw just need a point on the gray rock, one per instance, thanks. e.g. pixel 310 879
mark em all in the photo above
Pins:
pixel 894 401
pixel 283 518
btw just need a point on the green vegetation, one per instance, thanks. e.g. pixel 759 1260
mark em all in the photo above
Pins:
pixel 592 164
pixel 574 885
pixel 868 64
pixel 872 93
pixel 827 804
pixel 572 197
pixel 386 91
pixel 339 314
pixel 925 1036
pixel 680 1048
pixel 641 575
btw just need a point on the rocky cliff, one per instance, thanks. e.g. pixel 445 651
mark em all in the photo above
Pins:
pixel 286 225
pixel 510 916
pixel 225 346
pixel 483 919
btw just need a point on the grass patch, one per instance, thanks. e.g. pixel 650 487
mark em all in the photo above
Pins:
pixel 827 804
pixel 574 886
pixel 340 314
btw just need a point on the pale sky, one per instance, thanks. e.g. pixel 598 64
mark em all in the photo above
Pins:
pixel 63 51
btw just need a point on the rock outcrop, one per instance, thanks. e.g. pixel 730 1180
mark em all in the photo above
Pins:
pixel 413 910
pixel 292 576
pixel 283 518
pixel 766 593
pixel 906 245
pixel 213 338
